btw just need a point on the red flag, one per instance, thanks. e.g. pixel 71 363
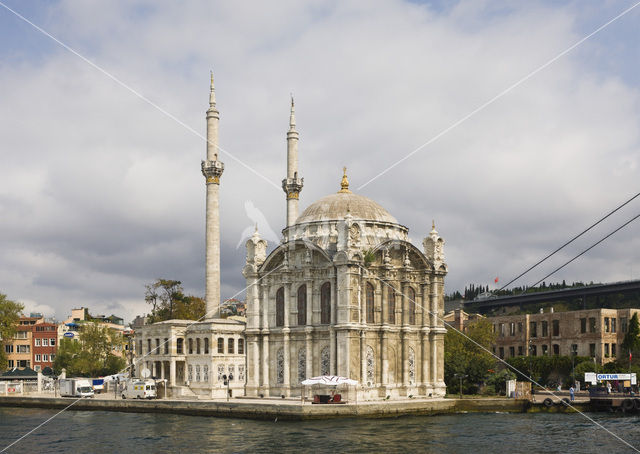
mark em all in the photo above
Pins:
pixel 630 356
pixel 495 280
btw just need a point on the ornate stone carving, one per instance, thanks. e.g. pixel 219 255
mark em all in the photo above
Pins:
pixel 302 364
pixel 325 361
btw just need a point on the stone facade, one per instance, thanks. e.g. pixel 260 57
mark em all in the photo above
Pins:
pixel 596 332
pixel 345 293
pixel 193 357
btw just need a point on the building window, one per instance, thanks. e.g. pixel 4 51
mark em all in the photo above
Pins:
pixel 501 330
pixel 512 352
pixel 325 361
pixel 391 305
pixel 45 342
pixel 38 342
pixel 412 366
pixel 325 303
pixel 583 325
pixel 501 352
pixel 592 350
pixel 20 335
pixel 198 346
pixel 139 347
pixel 206 345
pixel 38 358
pixel 556 327
pixel 606 325
pixel 613 350
pixel 370 304
pixel 232 372
pixel 230 346
pixel 545 329
pixel 23 348
pixel 221 345
pixel 52 341
pixel 205 374
pixel 11 366
pixel 613 325
pixel 556 349
pixel 623 324
pixel 411 294
pixel 520 350
pixel 241 346
pixel 533 328
pixel 371 366
pixel 166 346
pixel 198 373
pixel 302 364
pixel 157 350
pixel 512 329
pixel 149 346
pixel 190 373
pixel 606 350
pixel 241 373
pixel 592 324
pixel 280 366
pixel 190 341
pixel 302 305
pixel 280 307
pixel 534 350
pixel 545 350
pixel 179 346
pixel 8 348
pixel 519 327
pixel 220 371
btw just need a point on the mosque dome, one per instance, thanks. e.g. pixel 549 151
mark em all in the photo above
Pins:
pixel 336 206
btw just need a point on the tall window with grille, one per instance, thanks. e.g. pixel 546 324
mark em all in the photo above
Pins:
pixel 411 294
pixel 302 305
pixel 325 303
pixel 280 307
pixel 391 305
pixel 370 304
pixel 220 345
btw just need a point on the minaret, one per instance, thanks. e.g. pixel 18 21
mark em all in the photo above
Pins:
pixel 292 185
pixel 212 170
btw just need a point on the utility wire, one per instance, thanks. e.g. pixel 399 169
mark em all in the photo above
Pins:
pixel 588 249
pixel 567 243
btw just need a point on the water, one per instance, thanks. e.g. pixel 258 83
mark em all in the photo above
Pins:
pixel 107 432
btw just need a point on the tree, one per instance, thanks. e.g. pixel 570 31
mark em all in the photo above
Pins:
pixel 92 355
pixel 9 317
pixel 631 341
pixel 169 302
pixel 463 356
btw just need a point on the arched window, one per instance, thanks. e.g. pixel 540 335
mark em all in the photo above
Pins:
pixel 371 367
pixel 370 302
pixel 230 346
pixel 411 295
pixel 190 346
pixel 280 307
pixel 302 364
pixel 325 303
pixel 240 346
pixel 391 305
pixel 302 305
pixel 280 366
pixel 206 345
pixel 198 347
pixel 221 345
pixel 325 362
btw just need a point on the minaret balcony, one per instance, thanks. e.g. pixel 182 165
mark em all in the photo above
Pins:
pixel 292 187
pixel 212 171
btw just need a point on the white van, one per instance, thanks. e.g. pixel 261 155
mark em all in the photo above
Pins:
pixel 139 389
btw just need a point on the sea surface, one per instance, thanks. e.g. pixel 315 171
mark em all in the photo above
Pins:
pixel 495 433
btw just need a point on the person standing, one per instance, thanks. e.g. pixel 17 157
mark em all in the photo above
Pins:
pixel 571 393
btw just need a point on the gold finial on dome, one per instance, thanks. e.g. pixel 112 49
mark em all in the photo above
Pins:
pixel 345 182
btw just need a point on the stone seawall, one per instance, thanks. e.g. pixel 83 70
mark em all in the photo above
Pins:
pixel 271 409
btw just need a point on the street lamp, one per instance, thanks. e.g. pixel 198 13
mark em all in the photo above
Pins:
pixel 461 377
pixel 227 382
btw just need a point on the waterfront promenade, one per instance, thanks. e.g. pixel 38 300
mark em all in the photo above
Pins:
pixel 285 409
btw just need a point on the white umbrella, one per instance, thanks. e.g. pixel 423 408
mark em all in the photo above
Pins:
pixel 329 380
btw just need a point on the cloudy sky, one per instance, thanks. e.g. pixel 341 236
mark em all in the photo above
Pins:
pixel 101 193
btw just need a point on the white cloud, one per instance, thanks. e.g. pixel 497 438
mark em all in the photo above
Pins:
pixel 100 193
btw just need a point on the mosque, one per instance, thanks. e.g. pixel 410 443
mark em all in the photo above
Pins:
pixel 344 293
